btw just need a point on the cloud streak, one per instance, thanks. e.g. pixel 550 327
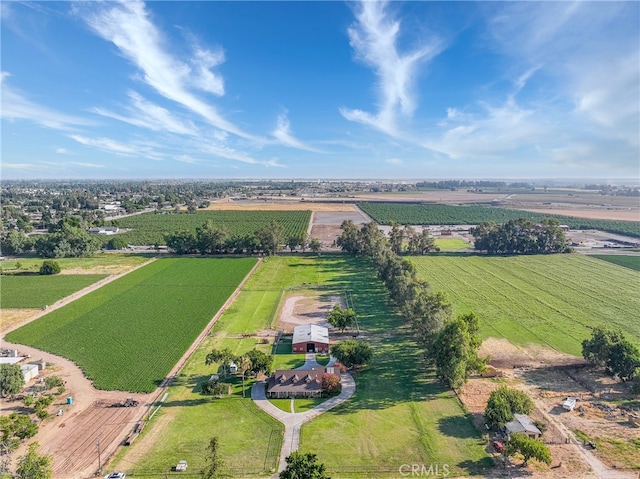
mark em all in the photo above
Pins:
pixel 374 39
pixel 128 25
pixel 283 134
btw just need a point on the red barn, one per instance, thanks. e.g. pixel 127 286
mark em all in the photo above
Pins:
pixel 310 338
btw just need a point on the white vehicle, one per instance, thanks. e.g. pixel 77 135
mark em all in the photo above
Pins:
pixel 569 403
pixel 115 475
pixel 182 466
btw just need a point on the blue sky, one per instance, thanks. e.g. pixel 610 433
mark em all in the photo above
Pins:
pixel 320 89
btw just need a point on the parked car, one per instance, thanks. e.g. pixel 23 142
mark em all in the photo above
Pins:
pixel 497 445
pixel 115 475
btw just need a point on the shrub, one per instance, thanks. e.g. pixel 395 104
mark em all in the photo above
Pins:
pixel 52 381
pixel 331 384
pixel 215 388
pixel 49 267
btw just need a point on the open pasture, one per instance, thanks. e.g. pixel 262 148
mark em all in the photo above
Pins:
pixel 628 261
pixel 151 228
pixel 35 291
pixel 424 420
pixel 550 300
pixel 128 334
pixel 101 263
pixel 451 244
pixel 432 214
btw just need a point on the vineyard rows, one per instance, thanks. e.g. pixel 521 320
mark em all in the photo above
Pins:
pixel 128 334
pixel 550 300
pixel 412 214
pixel 151 228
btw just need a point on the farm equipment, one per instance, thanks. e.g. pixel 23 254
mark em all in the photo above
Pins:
pixel 129 402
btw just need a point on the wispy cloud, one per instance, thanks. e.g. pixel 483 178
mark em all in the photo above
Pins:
pixel 86 165
pixel 283 134
pixel 62 151
pixel 374 38
pixel 23 166
pixel 15 106
pixel 128 25
pixel 145 114
pixel 108 144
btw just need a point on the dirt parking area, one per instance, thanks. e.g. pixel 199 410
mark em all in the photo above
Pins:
pixel 309 308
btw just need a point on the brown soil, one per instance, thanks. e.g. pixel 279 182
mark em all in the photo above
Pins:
pixel 309 309
pixel 548 377
pixel 279 206
pixel 11 318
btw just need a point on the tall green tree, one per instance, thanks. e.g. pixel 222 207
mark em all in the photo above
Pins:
pixel 182 242
pixel 261 362
pixel 503 403
pixel 529 447
pixel 34 465
pixel 270 237
pixel 212 238
pixel 455 350
pixel 314 245
pixel 341 318
pixel 352 353
pixel 303 466
pixel 623 360
pixel 11 379
pixel 349 241
pixel 595 350
pixel 223 357
pixel 396 236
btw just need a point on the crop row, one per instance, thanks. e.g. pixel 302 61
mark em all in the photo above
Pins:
pixel 34 291
pixel 632 262
pixel 428 214
pixel 552 300
pixel 128 334
pixel 151 228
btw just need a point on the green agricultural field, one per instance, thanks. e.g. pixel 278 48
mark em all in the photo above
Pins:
pixel 431 214
pixel 34 291
pixel 406 418
pixel 627 261
pixel 151 228
pixel 551 300
pixel 128 334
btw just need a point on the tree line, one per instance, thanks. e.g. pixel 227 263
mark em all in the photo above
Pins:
pixel 521 236
pixel 217 239
pixel 451 344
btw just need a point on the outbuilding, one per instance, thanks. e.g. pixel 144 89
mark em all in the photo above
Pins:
pixel 29 371
pixel 310 338
pixel 522 424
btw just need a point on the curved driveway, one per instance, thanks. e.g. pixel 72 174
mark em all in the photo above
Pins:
pixel 294 421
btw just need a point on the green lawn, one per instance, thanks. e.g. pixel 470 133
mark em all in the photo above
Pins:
pixel 35 291
pixel 451 243
pixel 627 261
pixel 398 415
pixel 551 300
pixel 128 334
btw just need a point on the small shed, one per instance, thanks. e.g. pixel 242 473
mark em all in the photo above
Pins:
pixel 233 368
pixel 522 424
pixel 29 371
pixel 310 338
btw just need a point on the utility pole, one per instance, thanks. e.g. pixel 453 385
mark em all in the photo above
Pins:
pixel 99 460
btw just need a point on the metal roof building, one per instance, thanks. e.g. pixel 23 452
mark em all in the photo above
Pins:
pixel 310 338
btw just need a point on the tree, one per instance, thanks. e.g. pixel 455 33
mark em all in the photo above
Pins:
pixel 68 241
pixel 34 465
pixel 315 245
pixel 396 236
pixel 623 360
pixel 182 242
pixel 455 350
pixel 341 318
pixel 116 243
pixel 303 466
pixel 331 383
pixel 349 241
pixel 244 364
pixel 595 350
pixel 503 403
pixel 352 353
pixel 211 238
pixel 49 267
pixel 11 379
pixel 215 388
pixel 270 237
pixel 213 460
pixel 224 357
pixel 19 426
pixel 529 447
pixel 260 362
pixel 15 242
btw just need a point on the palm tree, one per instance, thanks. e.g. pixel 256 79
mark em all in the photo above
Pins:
pixel 244 364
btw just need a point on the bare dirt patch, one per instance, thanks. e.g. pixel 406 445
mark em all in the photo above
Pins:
pixel 311 308
pixel 599 214
pixel 279 206
pixel 12 318
pixel 505 355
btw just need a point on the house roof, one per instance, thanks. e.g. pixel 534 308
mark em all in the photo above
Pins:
pixel 310 333
pixel 296 380
pixel 521 423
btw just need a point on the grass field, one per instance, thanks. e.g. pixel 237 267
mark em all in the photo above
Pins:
pixel 407 417
pixel 550 300
pixel 432 214
pixel 151 228
pixel 130 333
pixel 632 262
pixel 34 291
pixel 451 244
pixel 102 263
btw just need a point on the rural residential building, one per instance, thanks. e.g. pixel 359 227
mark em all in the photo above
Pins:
pixel 310 338
pixel 522 424
pixel 298 382
pixel 104 230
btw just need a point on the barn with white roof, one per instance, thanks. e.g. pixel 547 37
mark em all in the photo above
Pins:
pixel 310 338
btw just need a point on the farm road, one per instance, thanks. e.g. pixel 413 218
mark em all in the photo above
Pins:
pixel 293 421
